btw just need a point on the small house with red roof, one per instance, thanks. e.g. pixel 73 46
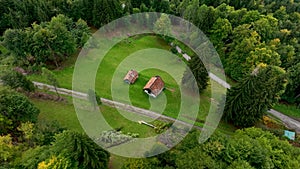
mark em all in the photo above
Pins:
pixel 154 86
pixel 131 76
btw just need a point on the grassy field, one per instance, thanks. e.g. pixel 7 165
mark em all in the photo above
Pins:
pixel 289 110
pixel 65 114
pixel 147 51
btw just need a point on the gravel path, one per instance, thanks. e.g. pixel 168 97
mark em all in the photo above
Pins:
pixel 289 122
pixel 115 104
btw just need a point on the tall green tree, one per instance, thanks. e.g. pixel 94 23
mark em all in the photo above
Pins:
pixel 49 42
pixel 17 41
pixel 245 41
pixel 199 73
pixel 219 34
pixel 51 79
pixel 292 92
pixel 81 149
pixel 254 95
pixel 163 26
pixel 105 11
pixel 266 27
pixel 53 42
pixel 15 109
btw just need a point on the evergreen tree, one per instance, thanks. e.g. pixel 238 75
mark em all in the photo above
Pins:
pixel 81 149
pixel 104 11
pixel 163 26
pixel 254 95
pixel 200 74
pixel 292 93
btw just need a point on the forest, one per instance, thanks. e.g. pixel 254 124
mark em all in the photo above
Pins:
pixel 258 42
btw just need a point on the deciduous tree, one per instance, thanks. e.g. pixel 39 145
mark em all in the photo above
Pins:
pixel 16 108
pixel 51 79
pixel 16 80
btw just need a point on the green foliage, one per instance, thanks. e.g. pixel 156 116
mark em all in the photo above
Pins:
pixel 56 162
pixel 245 41
pixel 16 80
pixel 16 41
pixel 27 129
pixel 70 149
pixel 249 148
pixel 20 14
pixel 32 157
pixel 142 163
pixel 174 50
pixel 81 33
pixel 104 11
pixel 81 149
pixel 254 95
pixel 161 126
pixel 220 30
pixel 196 158
pixel 54 40
pixel 51 79
pixel 113 138
pixel 199 75
pixel 6 149
pixel 292 93
pixel 163 25
pixel 44 132
pixel 15 109
pixel 240 164
pixel 266 27
pixel 51 41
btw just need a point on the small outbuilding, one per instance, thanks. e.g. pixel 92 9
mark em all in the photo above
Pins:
pixel 154 86
pixel 131 76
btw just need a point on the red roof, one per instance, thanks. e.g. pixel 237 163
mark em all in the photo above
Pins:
pixel 131 76
pixel 155 85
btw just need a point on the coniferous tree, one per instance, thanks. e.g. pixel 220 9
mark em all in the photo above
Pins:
pixel 292 93
pixel 254 95
pixel 81 149
pixel 199 73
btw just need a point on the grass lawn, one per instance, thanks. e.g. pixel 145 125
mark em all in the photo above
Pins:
pixel 289 110
pixel 65 114
pixel 147 51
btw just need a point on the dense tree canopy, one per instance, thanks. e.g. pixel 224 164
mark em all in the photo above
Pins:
pixel 196 74
pixel 246 149
pixel 15 109
pixel 292 93
pixel 254 95
pixel 48 42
